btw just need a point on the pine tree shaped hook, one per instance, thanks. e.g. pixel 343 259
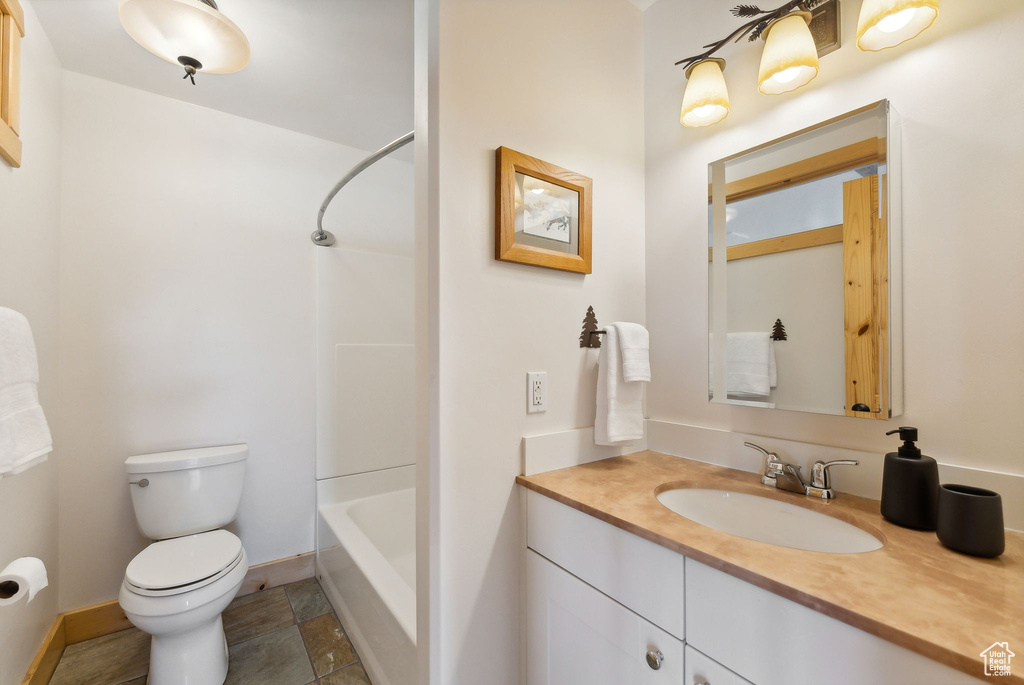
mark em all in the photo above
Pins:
pixel 590 336
pixel 779 331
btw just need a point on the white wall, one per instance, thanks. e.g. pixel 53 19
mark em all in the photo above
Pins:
pixel 188 313
pixel 963 158
pixel 29 226
pixel 562 82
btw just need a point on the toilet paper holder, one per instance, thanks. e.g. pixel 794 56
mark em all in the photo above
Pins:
pixel 9 588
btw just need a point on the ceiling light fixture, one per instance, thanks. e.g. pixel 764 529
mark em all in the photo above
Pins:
pixel 887 23
pixel 706 98
pixel 191 33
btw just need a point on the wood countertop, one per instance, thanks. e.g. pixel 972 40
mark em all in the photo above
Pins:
pixel 913 591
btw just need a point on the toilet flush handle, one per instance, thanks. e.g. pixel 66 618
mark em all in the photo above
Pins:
pixel 141 483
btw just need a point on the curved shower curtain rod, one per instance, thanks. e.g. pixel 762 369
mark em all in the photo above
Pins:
pixel 326 238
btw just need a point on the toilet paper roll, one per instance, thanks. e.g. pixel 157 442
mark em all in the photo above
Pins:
pixel 24 576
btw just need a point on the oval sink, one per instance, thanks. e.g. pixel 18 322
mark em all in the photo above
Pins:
pixel 768 520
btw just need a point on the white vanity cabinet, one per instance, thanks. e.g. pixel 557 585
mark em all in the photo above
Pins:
pixel 598 599
pixel 579 636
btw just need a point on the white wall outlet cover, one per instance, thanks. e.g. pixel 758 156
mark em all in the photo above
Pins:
pixel 536 391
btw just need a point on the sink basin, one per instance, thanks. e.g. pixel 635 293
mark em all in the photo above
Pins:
pixel 768 520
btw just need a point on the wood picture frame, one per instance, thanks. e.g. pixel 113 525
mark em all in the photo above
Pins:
pixel 520 229
pixel 12 29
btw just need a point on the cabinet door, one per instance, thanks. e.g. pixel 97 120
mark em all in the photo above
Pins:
pixel 703 670
pixel 578 636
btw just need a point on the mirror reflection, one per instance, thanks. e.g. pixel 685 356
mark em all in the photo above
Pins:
pixel 804 285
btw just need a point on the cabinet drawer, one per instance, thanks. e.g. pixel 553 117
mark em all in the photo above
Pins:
pixel 577 636
pixel 646 577
pixel 770 640
pixel 703 670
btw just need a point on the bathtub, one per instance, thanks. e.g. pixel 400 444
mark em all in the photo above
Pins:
pixel 366 561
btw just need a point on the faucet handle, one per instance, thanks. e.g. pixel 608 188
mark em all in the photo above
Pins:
pixel 772 464
pixel 820 476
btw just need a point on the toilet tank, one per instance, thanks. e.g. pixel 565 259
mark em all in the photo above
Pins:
pixel 186 491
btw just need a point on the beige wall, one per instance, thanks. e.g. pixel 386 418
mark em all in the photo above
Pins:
pixel 561 81
pixel 963 161
pixel 188 312
pixel 29 226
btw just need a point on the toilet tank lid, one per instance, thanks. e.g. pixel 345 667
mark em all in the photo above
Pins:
pixel 186 459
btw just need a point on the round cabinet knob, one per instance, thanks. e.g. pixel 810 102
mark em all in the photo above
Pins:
pixel 654 659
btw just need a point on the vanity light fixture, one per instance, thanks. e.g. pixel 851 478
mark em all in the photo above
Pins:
pixel 191 33
pixel 796 34
pixel 706 98
pixel 790 59
pixel 887 23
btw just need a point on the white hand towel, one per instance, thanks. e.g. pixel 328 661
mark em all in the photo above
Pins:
pixel 24 433
pixel 620 416
pixel 749 364
pixel 634 346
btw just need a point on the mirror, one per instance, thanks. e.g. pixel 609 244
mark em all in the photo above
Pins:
pixel 804 282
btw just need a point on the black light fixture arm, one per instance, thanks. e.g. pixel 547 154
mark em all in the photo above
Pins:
pixel 754 27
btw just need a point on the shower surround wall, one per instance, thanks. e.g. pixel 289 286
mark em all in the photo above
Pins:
pixel 188 310
pixel 29 228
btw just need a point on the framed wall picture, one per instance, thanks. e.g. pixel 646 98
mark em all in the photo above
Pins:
pixel 12 28
pixel 542 214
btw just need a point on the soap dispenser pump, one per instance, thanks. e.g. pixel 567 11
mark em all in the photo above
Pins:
pixel 910 484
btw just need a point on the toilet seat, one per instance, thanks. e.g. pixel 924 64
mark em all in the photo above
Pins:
pixel 179 565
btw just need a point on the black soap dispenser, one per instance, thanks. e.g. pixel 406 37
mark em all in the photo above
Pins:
pixel 910 484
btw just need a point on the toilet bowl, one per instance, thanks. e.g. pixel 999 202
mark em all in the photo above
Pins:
pixel 177 588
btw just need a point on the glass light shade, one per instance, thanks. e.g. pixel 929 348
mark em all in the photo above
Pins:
pixel 790 59
pixel 706 99
pixel 887 23
pixel 174 28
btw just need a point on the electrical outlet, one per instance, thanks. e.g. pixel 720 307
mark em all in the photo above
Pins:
pixel 536 391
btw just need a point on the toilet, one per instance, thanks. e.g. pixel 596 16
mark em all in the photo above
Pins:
pixel 177 588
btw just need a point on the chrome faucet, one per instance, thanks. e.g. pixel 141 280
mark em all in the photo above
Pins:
pixel 783 476
pixel 772 464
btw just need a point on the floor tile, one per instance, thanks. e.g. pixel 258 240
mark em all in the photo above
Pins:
pixel 257 614
pixel 350 675
pixel 277 658
pixel 308 599
pixel 328 647
pixel 108 660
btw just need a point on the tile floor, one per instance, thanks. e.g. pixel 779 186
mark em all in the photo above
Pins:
pixel 288 635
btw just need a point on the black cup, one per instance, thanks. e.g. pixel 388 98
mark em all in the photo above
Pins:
pixel 971 520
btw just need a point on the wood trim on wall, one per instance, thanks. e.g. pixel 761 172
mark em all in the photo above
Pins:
pixel 784 243
pixel 861 153
pixel 103 619
pixel 48 656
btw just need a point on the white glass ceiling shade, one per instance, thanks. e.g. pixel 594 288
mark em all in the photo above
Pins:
pixel 790 59
pixel 887 23
pixel 186 28
pixel 706 99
